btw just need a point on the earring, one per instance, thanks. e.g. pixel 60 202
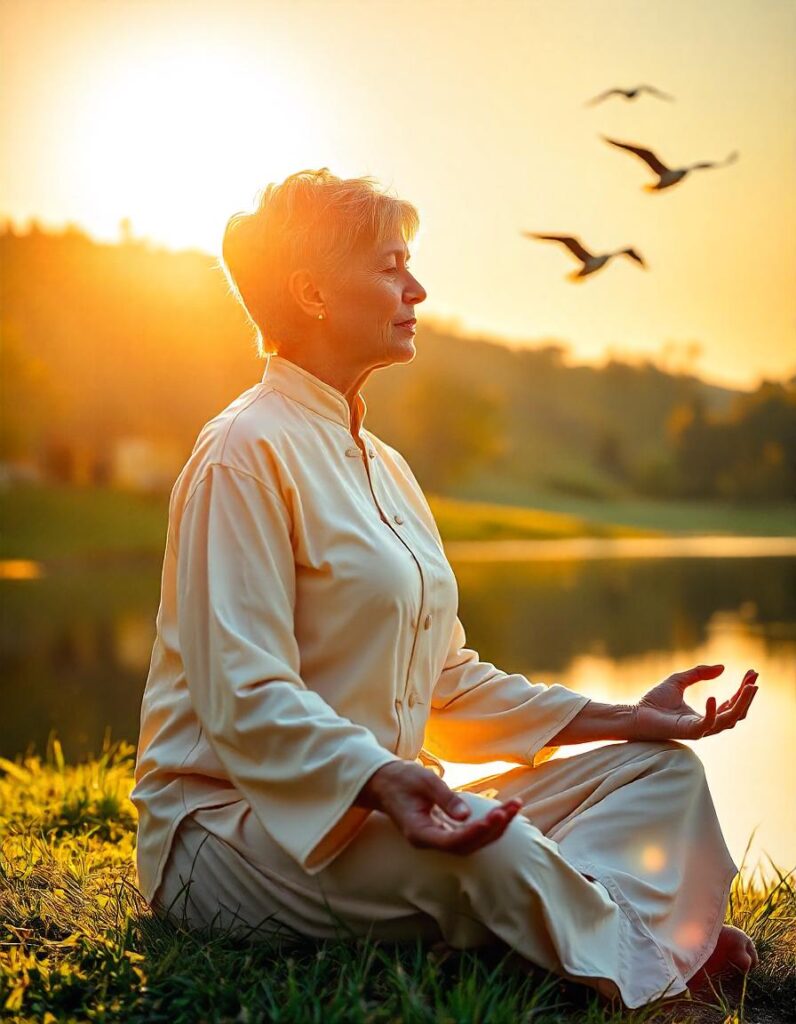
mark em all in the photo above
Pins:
pixel 320 316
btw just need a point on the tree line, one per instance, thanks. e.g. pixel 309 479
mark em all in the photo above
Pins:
pixel 104 341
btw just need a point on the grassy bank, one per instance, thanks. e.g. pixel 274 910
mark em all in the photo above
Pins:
pixel 478 520
pixel 78 943
pixel 54 523
pixel 771 519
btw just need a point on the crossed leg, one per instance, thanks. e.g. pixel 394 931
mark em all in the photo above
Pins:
pixel 557 795
pixel 614 874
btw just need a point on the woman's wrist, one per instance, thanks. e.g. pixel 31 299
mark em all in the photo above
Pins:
pixel 596 721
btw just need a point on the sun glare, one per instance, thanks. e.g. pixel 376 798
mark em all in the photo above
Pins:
pixel 180 138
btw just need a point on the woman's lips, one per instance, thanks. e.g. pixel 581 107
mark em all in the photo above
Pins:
pixel 408 325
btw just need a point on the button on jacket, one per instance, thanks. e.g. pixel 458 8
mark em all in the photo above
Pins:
pixel 308 632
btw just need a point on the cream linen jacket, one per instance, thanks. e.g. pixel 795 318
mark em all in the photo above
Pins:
pixel 308 632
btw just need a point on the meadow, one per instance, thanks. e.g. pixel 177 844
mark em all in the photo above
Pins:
pixel 78 943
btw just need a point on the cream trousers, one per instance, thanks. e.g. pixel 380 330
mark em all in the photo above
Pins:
pixel 614 874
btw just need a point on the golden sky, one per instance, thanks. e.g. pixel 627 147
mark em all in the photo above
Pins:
pixel 174 112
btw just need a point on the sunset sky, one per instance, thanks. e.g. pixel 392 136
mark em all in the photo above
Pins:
pixel 175 112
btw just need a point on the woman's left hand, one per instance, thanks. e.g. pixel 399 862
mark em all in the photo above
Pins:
pixel 662 714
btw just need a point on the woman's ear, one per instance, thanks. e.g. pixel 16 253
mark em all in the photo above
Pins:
pixel 303 288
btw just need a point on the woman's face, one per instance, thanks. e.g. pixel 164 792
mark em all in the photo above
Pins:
pixel 365 306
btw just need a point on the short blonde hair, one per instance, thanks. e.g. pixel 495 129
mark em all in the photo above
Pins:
pixel 312 220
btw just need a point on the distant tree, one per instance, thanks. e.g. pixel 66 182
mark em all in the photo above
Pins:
pixel 610 453
pixel 29 399
pixel 748 454
pixel 695 448
pixel 763 428
pixel 451 429
pixel 680 357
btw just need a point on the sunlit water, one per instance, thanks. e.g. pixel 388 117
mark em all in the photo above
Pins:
pixel 606 620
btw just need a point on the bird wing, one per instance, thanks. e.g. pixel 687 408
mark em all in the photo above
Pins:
pixel 604 95
pixel 656 92
pixel 646 155
pixel 634 255
pixel 571 243
pixel 715 163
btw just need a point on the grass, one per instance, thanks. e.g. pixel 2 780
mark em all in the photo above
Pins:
pixel 78 943
pixel 59 522
pixel 477 520
pixel 675 516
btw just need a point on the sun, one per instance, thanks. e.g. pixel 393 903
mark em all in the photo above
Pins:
pixel 179 138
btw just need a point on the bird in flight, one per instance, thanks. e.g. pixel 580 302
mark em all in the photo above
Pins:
pixel 667 176
pixel 629 94
pixel 591 262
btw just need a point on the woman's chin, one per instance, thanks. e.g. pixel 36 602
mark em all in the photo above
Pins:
pixel 403 349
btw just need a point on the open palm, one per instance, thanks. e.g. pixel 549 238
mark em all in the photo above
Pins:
pixel 662 713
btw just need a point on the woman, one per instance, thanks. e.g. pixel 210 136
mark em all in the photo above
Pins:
pixel 309 670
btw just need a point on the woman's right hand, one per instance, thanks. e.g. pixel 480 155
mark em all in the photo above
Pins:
pixel 428 812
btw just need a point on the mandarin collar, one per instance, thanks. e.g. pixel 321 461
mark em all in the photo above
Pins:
pixel 297 383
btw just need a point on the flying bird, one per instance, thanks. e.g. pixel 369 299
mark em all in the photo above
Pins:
pixel 667 176
pixel 590 262
pixel 629 94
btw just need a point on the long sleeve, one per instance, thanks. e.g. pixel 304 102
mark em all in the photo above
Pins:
pixel 296 761
pixel 479 713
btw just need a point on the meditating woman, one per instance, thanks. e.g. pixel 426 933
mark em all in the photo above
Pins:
pixel 310 670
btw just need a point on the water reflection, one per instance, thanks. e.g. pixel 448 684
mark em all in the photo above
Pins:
pixel 76 649
pixel 75 653
pixel 570 548
pixel 540 616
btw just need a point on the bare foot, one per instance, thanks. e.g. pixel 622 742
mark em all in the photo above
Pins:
pixel 734 954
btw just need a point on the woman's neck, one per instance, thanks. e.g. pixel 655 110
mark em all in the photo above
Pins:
pixel 323 365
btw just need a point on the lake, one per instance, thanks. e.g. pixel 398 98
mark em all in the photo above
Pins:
pixel 606 618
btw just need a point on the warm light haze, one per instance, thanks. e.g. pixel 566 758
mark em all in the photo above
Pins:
pixel 173 114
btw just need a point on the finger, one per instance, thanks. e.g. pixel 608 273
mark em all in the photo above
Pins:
pixel 742 706
pixel 727 704
pixel 709 719
pixel 748 680
pixel 697 674
pixel 447 799
pixel 448 838
pixel 495 824
pixel 514 804
pixel 728 719
pixel 500 819
pixel 749 704
pixel 464 838
pixel 740 709
pixel 424 823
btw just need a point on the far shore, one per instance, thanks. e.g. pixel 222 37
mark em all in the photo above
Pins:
pixel 56 524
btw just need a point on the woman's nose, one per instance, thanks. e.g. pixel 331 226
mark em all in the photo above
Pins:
pixel 417 291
